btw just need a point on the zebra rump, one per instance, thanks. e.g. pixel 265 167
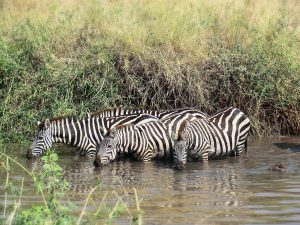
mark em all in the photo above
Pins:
pixel 224 133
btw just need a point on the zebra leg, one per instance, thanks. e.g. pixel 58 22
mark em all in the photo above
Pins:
pixel 200 154
pixel 204 153
pixel 146 156
pixel 238 150
pixel 91 151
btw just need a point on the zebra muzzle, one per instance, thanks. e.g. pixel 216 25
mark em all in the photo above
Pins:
pixel 97 162
pixel 179 165
pixel 29 154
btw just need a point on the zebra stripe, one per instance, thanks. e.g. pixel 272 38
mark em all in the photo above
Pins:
pixel 84 134
pixel 221 134
pixel 114 112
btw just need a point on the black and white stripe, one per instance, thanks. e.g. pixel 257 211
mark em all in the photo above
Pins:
pixel 115 112
pixel 222 134
pixel 84 134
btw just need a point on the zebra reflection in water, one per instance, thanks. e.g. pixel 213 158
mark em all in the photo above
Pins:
pixel 218 182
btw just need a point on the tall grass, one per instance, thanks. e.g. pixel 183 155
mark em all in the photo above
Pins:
pixel 69 57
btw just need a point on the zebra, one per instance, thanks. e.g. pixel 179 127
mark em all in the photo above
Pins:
pixel 144 142
pixel 159 114
pixel 224 133
pixel 84 134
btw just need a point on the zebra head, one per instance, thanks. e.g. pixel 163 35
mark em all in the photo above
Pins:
pixel 43 140
pixel 180 145
pixel 107 149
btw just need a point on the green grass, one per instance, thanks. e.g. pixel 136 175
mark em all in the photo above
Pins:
pixel 70 57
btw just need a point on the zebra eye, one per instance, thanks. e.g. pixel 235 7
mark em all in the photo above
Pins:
pixel 40 138
pixel 109 145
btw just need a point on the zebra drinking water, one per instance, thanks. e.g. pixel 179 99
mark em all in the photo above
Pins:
pixel 84 134
pixel 87 133
pixel 144 142
pixel 222 134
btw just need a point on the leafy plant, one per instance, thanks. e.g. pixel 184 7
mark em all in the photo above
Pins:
pixel 49 183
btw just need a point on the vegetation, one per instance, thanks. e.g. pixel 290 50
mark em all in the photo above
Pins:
pixel 69 57
pixel 51 186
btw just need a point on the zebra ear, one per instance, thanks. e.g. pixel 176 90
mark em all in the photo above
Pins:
pixel 47 123
pixel 38 123
pixel 88 115
pixel 174 136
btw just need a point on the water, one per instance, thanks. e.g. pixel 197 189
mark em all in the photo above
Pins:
pixel 227 191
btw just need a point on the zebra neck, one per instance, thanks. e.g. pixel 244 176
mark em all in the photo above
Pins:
pixel 189 140
pixel 128 141
pixel 61 130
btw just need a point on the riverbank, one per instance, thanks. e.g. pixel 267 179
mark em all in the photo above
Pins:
pixel 70 57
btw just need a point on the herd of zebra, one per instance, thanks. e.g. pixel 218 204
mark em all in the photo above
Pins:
pixel 178 134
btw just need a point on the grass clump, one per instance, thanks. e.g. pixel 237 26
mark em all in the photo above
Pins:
pixel 69 57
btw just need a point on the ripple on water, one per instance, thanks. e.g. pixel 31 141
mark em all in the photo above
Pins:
pixel 227 191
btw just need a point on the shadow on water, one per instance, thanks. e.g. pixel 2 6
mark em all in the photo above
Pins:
pixel 226 191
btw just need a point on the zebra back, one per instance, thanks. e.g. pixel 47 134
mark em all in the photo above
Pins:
pixel 115 112
pixel 160 114
pixel 184 111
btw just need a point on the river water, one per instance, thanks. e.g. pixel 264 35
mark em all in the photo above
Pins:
pixel 226 191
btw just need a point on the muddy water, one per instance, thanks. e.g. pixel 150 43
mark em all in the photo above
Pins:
pixel 227 191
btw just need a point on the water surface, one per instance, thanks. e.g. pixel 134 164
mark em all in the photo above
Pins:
pixel 227 191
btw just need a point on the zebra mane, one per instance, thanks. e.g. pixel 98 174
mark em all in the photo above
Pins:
pixel 102 112
pixel 220 112
pixel 182 128
pixel 54 119
pixel 118 127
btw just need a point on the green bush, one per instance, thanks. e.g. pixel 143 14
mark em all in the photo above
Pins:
pixel 73 57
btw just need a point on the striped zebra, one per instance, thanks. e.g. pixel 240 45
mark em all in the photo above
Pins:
pixel 144 142
pixel 224 133
pixel 159 114
pixel 84 134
